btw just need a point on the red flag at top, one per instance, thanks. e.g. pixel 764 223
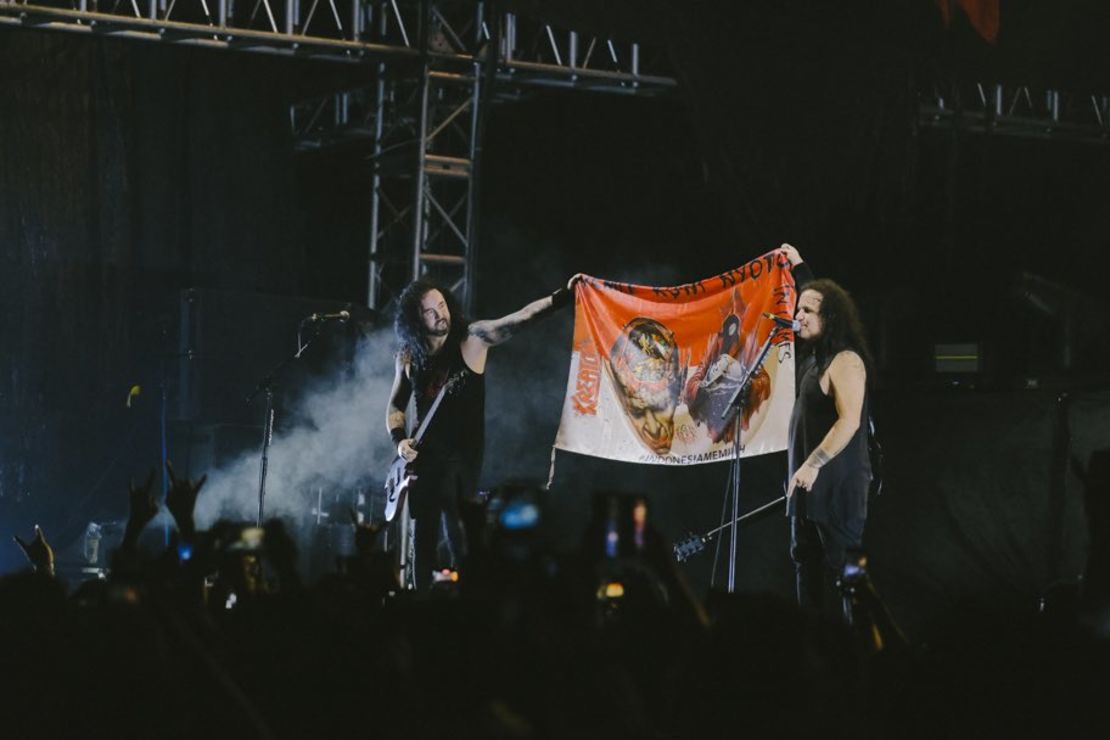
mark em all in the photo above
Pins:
pixel 983 15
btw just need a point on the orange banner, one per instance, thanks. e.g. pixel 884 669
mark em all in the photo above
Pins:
pixel 654 369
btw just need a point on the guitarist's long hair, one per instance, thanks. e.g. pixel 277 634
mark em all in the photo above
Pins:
pixel 409 324
pixel 841 328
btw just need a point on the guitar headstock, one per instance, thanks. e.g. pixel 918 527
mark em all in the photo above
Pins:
pixel 451 383
pixel 687 547
pixel 455 382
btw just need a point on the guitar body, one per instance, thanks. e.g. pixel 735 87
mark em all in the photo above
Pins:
pixel 396 487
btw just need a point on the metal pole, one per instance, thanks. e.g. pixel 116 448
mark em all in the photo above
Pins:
pixel 734 533
pixel 374 273
pixel 267 434
pixel 510 37
pixel 163 427
pixel 420 203
pixel 474 153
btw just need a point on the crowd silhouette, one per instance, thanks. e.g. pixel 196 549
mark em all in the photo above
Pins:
pixel 217 634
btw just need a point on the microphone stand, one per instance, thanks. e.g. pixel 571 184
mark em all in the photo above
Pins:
pixel 736 407
pixel 266 386
pixel 163 432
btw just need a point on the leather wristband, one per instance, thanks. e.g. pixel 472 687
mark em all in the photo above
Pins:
pixel 561 297
pixel 397 434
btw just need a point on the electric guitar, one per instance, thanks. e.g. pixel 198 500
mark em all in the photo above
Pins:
pixel 401 475
pixel 691 545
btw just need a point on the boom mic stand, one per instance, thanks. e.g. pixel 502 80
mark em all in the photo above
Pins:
pixel 266 386
pixel 736 407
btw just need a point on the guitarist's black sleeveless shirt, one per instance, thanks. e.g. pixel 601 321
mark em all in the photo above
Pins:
pixel 840 493
pixel 457 431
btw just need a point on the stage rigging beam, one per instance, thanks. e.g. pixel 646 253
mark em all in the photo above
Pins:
pixel 1018 110
pixel 340 31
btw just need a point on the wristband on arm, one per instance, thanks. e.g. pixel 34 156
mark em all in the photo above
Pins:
pixel 802 275
pixel 561 297
pixel 397 434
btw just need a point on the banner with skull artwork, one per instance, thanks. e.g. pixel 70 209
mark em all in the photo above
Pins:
pixel 654 369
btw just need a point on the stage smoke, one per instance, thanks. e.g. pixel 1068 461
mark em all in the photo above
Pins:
pixel 334 436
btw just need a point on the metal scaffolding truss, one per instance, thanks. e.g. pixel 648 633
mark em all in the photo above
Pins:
pixel 424 123
pixel 438 62
pixel 426 137
pixel 530 54
pixel 355 31
pixel 1018 110
pixel 329 29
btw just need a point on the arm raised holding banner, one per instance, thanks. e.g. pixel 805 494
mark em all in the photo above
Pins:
pixel 481 335
pixel 441 365
pixel 802 273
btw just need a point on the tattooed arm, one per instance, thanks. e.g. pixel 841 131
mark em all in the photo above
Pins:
pixel 481 335
pixel 395 410
pixel 847 382
pixel 493 332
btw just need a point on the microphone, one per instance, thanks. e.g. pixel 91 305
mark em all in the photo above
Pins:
pixel 340 316
pixel 783 323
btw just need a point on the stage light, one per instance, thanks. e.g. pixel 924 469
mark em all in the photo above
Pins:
pixel 520 514
pixel 447 575
pixel 611 590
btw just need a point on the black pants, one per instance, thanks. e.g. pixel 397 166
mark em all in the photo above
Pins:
pixel 439 487
pixel 818 548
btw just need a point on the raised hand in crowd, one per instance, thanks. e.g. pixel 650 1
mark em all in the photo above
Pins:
pixel 181 500
pixel 38 551
pixel 143 508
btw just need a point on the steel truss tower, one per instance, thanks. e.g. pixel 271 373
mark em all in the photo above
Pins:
pixel 426 144
pixel 438 64
pixel 425 121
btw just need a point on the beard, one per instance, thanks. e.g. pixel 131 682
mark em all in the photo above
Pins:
pixel 442 329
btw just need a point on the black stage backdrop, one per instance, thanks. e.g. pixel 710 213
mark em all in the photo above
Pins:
pixel 129 172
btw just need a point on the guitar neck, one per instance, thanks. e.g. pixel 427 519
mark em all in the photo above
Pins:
pixel 432 410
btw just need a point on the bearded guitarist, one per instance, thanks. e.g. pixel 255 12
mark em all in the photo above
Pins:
pixel 439 346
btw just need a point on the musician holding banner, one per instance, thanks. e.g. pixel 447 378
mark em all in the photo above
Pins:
pixel 829 466
pixel 442 360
